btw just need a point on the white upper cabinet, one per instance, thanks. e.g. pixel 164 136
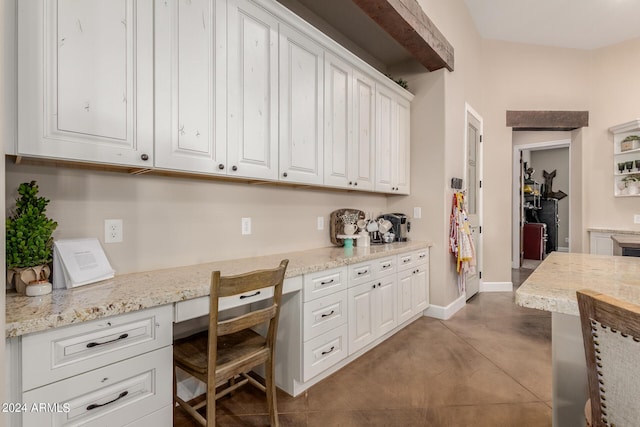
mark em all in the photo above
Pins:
pixel 338 119
pixel 85 87
pixel 190 86
pixel 349 126
pixel 252 51
pixel 392 142
pixel 363 148
pixel 301 108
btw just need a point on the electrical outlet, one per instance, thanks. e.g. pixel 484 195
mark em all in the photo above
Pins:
pixel 246 226
pixel 566 240
pixel 417 213
pixel 320 223
pixel 636 219
pixel 113 231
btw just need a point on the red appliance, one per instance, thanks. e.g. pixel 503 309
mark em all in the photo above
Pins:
pixel 534 238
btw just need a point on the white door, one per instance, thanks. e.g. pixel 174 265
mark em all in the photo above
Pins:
pixel 86 80
pixel 253 91
pixel 474 194
pixel 189 79
pixel 338 118
pixel 301 108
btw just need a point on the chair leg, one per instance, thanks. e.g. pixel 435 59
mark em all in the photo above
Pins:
pixel 211 402
pixel 271 391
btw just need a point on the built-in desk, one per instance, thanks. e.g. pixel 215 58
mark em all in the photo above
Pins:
pixel 137 309
pixel 552 287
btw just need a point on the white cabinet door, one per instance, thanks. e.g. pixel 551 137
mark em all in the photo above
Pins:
pixel 401 159
pixel 253 91
pixel 361 308
pixel 301 108
pixel 190 86
pixel 385 140
pixel 338 118
pixel 392 142
pixel 420 288
pixel 364 119
pixel 386 304
pixel 85 90
pixel 405 308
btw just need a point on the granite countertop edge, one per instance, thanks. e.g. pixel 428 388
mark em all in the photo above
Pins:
pixel 137 291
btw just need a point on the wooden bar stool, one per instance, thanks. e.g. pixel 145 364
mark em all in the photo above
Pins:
pixel 230 348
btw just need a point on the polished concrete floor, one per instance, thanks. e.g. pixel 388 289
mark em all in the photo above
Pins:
pixel 489 365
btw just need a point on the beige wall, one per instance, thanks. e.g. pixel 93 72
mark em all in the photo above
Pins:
pixel 438 134
pixel 615 91
pixel 519 77
pixel 174 221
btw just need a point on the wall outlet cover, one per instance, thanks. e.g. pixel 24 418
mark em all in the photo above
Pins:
pixel 113 231
pixel 246 226
pixel 636 219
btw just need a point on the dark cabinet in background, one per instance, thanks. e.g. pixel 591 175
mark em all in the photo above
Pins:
pixel 548 214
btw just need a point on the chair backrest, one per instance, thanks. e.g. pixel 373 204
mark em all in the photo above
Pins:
pixel 244 284
pixel 611 334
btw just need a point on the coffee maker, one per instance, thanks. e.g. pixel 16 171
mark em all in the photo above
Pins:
pixel 401 225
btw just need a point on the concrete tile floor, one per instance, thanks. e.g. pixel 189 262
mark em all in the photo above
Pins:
pixel 489 365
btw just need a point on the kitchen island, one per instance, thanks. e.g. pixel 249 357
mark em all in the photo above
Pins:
pixel 552 287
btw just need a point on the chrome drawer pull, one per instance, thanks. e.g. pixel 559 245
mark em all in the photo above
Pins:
pixel 328 351
pixel 326 283
pixel 386 266
pixel 422 256
pixel 96 405
pixel 94 344
pixel 360 273
pixel 329 314
pixel 249 296
pixel 406 260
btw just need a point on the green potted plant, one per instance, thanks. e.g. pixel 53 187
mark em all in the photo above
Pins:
pixel 29 240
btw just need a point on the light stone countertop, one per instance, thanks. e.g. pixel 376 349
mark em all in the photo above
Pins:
pixel 613 231
pixel 137 291
pixel 553 285
pixel 627 240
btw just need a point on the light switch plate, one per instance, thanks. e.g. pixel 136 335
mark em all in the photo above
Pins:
pixel 636 219
pixel 417 212
pixel 320 223
pixel 246 226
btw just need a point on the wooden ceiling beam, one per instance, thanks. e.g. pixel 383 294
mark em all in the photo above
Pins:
pixel 407 23
pixel 547 120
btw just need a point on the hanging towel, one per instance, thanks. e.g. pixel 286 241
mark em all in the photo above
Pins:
pixel 461 241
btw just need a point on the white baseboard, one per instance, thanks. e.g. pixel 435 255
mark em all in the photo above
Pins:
pixel 444 313
pixel 496 287
pixel 563 249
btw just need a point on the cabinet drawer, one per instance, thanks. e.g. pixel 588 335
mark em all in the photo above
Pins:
pixel 361 272
pixel 60 353
pixel 385 266
pixel 324 351
pixel 406 260
pixel 114 395
pixel 422 255
pixel 323 283
pixel 324 314
pixel 190 309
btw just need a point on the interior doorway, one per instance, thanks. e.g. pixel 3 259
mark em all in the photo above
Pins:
pixel 473 189
pixel 541 207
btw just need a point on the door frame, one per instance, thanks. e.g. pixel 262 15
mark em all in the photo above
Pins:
pixel 468 110
pixel 516 205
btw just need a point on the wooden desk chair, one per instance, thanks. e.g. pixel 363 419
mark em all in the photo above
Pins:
pixel 230 348
pixel 611 334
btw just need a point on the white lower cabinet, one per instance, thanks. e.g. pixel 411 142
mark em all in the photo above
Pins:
pixel 114 371
pixel 372 311
pixel 413 285
pixel 114 395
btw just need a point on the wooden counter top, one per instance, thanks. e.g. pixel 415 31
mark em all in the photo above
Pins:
pixel 553 285
pixel 137 291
